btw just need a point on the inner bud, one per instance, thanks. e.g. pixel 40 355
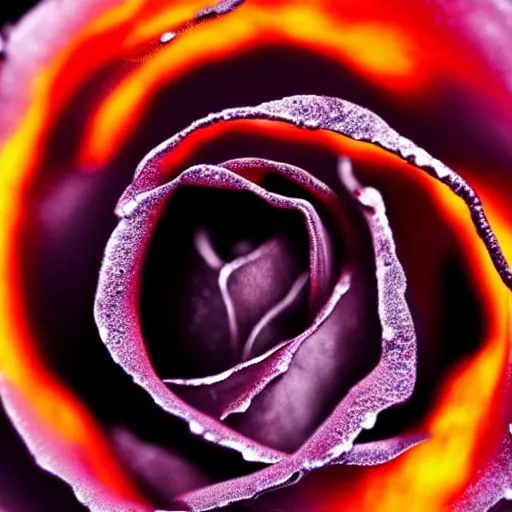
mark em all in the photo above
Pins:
pixel 226 278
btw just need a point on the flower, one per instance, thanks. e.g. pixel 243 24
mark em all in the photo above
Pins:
pixel 84 101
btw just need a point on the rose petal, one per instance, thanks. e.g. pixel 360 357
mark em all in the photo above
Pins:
pixel 263 333
pixel 335 115
pixel 115 314
pixel 57 456
pixel 326 362
pixel 252 284
pixel 116 305
pixel 233 390
pixel 380 452
pixel 19 473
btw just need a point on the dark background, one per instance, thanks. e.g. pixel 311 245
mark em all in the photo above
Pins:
pixel 12 10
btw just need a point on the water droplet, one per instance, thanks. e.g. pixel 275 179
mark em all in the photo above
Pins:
pixel 369 421
pixel 129 208
pixel 209 437
pixel 196 428
pixel 167 37
pixel 312 124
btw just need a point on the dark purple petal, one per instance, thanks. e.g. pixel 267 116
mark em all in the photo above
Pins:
pixel 252 284
pixel 235 389
pixel 283 413
pixel 326 362
pixel 261 336
pixel 116 309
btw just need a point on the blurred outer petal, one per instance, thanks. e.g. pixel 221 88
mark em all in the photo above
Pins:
pixel 55 454
pixel 19 473
pixel 165 472
pixel 487 25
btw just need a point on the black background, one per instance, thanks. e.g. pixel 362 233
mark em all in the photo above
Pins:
pixel 12 10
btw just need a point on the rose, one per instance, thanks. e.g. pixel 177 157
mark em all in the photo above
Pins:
pixel 378 480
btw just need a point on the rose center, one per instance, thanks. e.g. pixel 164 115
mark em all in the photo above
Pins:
pixel 225 279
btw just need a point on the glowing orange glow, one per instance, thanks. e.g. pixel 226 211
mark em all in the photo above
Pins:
pixel 96 45
pixel 376 46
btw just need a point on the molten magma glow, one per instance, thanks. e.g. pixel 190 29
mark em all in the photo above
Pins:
pixel 394 48
pixel 401 51
pixel 390 49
